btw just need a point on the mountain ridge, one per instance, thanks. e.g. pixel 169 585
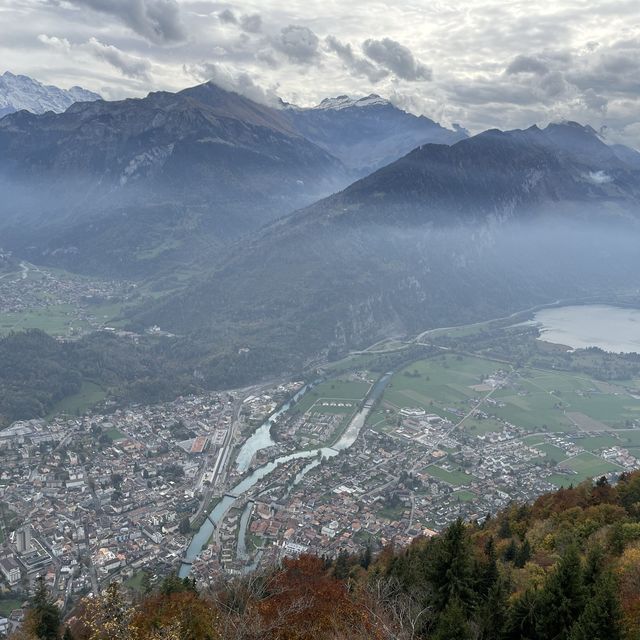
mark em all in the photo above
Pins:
pixel 18 92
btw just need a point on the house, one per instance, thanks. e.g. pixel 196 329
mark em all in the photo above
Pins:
pixel 10 570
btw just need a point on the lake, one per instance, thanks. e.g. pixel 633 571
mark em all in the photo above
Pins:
pixel 615 329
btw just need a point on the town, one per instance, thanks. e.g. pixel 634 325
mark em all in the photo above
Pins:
pixel 221 483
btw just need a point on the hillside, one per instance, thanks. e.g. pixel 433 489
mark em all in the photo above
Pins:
pixel 446 235
pixel 140 184
pixel 566 567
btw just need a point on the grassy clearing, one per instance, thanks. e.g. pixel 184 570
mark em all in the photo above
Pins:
pixel 392 513
pixel 594 443
pixel 480 427
pixel 586 465
pixel 442 381
pixel 333 390
pixel 135 581
pixel 89 395
pixel 7 606
pixel 455 478
pixel 552 453
pixel 115 434
pixel 630 438
pixel 465 496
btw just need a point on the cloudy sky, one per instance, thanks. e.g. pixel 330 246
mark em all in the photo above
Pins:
pixel 482 63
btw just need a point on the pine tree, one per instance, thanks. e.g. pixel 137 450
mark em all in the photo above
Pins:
pixel 450 568
pixel 492 613
pixel 593 566
pixel 488 570
pixel 365 557
pixel 522 617
pixel 601 617
pixel 562 598
pixel 44 615
pixel 452 624
pixel 523 555
pixel 504 530
pixel 341 568
pixel 511 551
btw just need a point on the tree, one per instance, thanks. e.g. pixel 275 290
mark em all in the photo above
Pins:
pixel 594 566
pixel 522 617
pixel 185 526
pixel 511 551
pixel 365 556
pixel 492 613
pixel 43 619
pixel 601 618
pixel 450 568
pixel 341 568
pixel 453 623
pixel 562 598
pixel 523 555
pixel 488 570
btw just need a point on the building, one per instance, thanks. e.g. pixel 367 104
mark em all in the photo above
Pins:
pixel 10 570
pixel 23 539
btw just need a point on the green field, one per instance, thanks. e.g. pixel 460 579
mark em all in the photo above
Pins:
pixel 437 382
pixel 56 320
pixel 586 465
pixel 552 453
pixel 7 606
pixel 593 443
pixel 115 434
pixel 479 427
pixel 465 496
pixel 455 478
pixel 630 438
pixel 333 390
pixel 59 320
pixel 135 582
pixel 89 395
pixel 533 399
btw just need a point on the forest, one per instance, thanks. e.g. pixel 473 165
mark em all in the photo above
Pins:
pixel 566 567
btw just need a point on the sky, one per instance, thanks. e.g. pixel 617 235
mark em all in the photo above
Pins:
pixel 479 63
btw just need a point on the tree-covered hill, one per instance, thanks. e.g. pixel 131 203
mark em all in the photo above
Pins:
pixel 566 567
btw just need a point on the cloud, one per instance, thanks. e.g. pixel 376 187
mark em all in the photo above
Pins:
pixel 527 64
pixel 159 21
pixel 228 17
pixel 251 23
pixel 241 83
pixel 299 44
pixel 62 44
pixel 396 58
pixel 599 177
pixel 357 65
pixel 130 66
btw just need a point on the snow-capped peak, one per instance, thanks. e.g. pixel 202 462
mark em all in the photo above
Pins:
pixel 22 92
pixel 346 102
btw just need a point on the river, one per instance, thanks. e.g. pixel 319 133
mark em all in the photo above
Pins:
pixel 253 444
pixel 614 329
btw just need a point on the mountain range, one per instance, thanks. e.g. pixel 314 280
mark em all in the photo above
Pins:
pixel 368 133
pixel 444 235
pixel 132 186
pixel 274 245
pixel 18 92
